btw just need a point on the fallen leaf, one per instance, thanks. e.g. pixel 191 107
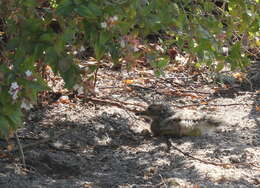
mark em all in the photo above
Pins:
pixel 204 102
pixel 3 155
pixel 128 81
pixel 64 100
pixel 239 76
pixel 172 52
pixel 222 179
pixel 10 147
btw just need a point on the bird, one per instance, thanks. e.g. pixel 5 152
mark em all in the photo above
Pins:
pixel 166 122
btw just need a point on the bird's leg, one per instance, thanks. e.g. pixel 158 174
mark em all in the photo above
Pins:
pixel 167 140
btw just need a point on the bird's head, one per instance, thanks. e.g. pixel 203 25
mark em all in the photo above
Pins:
pixel 156 111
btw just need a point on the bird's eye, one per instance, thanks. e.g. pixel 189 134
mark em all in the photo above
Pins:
pixel 151 108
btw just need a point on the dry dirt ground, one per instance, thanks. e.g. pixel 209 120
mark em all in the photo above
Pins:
pixel 100 142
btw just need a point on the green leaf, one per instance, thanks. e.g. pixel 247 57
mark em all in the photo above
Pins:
pixel 99 50
pixel 159 65
pixel 90 11
pixel 8 110
pixel 24 63
pixel 204 34
pixel 59 46
pixel 103 38
pixel 13 43
pixel 125 27
pixel 30 3
pixel 65 63
pixel 71 76
pixel 47 37
pixel 209 6
pixel 162 63
pixel 220 66
pixel 38 85
pixel 4 127
pixel 235 51
pixel 5 98
pixel 65 8
pixel 115 53
pixel 39 49
pixel 95 9
pixel 84 11
pixel 68 34
pixel 15 118
pixel 52 58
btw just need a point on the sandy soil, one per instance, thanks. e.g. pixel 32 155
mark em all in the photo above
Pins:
pixel 94 143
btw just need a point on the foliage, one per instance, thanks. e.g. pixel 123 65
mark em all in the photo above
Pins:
pixel 37 33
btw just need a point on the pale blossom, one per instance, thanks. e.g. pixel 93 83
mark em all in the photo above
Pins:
pixel 25 105
pixel 82 49
pixel 81 90
pixel 14 86
pixel 104 25
pixel 14 90
pixel 122 43
pixel 63 98
pixel 159 48
pixel 28 73
pixel 114 18
pixel 136 49
pixel 225 50
pixel 14 95
pixel 78 88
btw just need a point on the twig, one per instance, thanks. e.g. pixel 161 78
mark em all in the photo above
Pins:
pixel 119 103
pixel 210 162
pixel 232 104
pixel 178 90
pixel 163 181
pixel 95 75
pixel 115 103
pixel 20 148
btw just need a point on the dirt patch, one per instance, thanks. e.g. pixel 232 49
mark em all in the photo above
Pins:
pixel 104 145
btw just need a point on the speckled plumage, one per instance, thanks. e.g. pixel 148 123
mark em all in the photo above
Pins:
pixel 181 123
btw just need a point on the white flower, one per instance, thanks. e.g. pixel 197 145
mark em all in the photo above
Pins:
pixel 114 18
pixel 136 49
pixel 79 89
pixel 122 43
pixel 14 90
pixel 159 48
pixel 82 49
pixel 225 50
pixel 179 58
pixel 64 98
pixel 15 96
pixel 14 86
pixel 104 25
pixel 28 73
pixel 76 86
pixel 26 106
